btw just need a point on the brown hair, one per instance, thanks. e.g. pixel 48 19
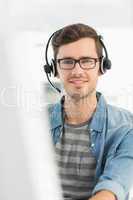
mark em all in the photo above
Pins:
pixel 72 33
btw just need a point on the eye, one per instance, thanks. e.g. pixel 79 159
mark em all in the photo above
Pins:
pixel 87 61
pixel 67 61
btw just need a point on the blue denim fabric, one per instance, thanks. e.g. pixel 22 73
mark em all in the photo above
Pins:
pixel 111 133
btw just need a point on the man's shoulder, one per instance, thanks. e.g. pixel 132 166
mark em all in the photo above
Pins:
pixel 54 114
pixel 119 115
pixel 120 111
pixel 52 107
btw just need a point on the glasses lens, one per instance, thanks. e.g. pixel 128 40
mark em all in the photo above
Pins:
pixel 87 63
pixel 67 63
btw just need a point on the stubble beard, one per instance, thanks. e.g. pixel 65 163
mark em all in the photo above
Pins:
pixel 81 96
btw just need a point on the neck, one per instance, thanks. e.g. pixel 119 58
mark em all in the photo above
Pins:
pixel 81 110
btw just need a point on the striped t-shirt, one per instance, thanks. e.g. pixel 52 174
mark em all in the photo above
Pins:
pixel 76 163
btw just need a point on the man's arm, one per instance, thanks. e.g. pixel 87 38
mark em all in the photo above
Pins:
pixel 117 177
pixel 104 195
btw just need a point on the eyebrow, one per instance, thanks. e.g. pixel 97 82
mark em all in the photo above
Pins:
pixel 67 58
pixel 75 58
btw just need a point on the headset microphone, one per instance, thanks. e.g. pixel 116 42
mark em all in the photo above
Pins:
pixel 57 89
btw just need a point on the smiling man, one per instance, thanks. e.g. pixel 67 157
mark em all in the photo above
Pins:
pixel 93 140
pixel 73 61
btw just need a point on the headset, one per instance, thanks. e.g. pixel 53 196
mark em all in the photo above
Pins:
pixel 51 68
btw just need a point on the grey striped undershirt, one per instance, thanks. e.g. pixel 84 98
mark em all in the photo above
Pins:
pixel 76 163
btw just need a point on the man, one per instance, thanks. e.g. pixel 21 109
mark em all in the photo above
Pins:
pixel 93 140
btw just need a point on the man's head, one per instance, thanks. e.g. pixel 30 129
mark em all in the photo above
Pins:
pixel 77 54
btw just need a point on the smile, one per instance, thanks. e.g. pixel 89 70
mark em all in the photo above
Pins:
pixel 77 81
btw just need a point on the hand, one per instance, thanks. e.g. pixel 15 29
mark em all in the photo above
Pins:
pixel 104 195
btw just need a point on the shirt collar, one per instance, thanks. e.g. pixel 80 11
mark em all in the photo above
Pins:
pixel 97 121
pixel 99 116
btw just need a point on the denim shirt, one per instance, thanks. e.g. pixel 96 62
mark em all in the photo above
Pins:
pixel 111 133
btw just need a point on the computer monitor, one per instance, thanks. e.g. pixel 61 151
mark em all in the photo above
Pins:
pixel 27 167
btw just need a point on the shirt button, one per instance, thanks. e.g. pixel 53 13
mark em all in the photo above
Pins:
pixel 92 145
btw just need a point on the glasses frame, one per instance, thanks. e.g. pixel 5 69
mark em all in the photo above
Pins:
pixel 79 62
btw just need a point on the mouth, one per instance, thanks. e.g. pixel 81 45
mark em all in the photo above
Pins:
pixel 77 81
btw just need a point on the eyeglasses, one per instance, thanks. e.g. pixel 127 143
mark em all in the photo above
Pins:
pixel 85 63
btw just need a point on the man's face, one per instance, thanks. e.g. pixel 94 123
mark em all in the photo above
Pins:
pixel 78 82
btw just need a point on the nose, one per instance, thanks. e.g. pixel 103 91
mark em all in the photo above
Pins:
pixel 77 69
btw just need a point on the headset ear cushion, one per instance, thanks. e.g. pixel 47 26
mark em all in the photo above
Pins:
pixel 53 67
pixel 47 69
pixel 105 65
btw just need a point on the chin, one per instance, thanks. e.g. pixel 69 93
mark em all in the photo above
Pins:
pixel 80 94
